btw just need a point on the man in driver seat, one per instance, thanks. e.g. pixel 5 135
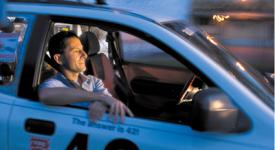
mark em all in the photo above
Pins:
pixel 71 86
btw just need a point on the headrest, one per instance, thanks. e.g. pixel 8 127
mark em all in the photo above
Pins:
pixel 90 43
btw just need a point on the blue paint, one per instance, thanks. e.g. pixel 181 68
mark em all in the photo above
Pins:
pixel 2 9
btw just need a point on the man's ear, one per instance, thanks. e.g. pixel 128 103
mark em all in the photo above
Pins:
pixel 57 58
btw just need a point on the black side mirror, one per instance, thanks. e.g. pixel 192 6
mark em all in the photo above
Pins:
pixel 6 73
pixel 213 111
pixel 6 25
pixel 270 77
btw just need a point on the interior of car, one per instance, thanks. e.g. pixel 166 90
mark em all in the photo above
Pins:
pixel 150 90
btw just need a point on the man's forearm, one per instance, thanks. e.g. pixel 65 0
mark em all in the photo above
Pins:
pixel 64 96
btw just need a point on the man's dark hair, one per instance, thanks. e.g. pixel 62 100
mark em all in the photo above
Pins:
pixel 57 42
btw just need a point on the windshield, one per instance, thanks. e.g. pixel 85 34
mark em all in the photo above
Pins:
pixel 252 79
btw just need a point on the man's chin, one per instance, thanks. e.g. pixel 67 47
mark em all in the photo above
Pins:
pixel 84 69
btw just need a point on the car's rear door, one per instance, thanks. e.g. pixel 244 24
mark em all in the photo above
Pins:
pixel 25 122
pixel 37 126
pixel 12 35
pixel 5 107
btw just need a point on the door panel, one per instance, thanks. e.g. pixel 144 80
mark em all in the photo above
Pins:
pixel 161 74
pixel 155 77
pixel 28 134
pixel 5 107
pixel 73 129
pixel 38 126
pixel 155 87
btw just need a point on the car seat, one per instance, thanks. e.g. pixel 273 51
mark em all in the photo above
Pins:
pixel 97 63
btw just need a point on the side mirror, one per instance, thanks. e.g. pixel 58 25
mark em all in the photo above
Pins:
pixel 6 25
pixel 6 73
pixel 270 77
pixel 213 111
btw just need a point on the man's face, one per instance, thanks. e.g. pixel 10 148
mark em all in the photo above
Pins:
pixel 74 57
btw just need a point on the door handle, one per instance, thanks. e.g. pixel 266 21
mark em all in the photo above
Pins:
pixel 39 126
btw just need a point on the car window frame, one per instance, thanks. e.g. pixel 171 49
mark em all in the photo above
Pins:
pixel 27 87
pixel 12 87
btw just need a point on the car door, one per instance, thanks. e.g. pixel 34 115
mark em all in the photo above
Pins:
pixel 5 101
pixel 12 35
pixel 35 125
pixel 5 106
pixel 38 126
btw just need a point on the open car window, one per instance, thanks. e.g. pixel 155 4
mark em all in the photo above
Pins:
pixel 136 50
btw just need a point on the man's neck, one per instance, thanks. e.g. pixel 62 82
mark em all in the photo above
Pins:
pixel 73 76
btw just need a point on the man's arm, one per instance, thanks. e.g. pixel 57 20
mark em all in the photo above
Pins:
pixel 64 96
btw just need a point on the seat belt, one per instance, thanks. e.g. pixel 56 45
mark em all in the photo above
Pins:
pixel 52 63
pixel 117 63
pixel 98 66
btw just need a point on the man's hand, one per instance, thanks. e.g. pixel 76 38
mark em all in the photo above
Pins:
pixel 96 110
pixel 119 110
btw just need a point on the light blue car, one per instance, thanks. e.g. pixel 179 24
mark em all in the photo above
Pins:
pixel 186 91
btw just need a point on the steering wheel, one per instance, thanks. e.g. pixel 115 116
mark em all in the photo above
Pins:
pixel 188 91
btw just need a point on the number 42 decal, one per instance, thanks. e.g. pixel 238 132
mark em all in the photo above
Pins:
pixel 78 142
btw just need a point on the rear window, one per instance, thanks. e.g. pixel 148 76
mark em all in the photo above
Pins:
pixel 12 32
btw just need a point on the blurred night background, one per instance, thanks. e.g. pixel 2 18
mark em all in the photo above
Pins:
pixel 244 27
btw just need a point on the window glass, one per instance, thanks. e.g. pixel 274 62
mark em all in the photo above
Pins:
pixel 12 32
pixel 136 50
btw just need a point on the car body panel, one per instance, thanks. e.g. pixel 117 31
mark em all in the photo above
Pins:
pixel 12 88
pixel 69 121
pixel 6 107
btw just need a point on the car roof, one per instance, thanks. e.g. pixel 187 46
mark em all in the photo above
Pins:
pixel 71 3
pixel 57 2
pixel 154 11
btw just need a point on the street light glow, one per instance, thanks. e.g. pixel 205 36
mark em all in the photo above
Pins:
pixel 220 18
pixel 211 39
pixel 238 64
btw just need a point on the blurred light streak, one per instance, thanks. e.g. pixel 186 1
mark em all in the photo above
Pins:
pixel 220 18
pixel 211 39
pixel 238 64
pixel 217 104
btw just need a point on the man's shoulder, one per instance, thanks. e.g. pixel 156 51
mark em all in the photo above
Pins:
pixel 53 78
pixel 90 77
pixel 54 81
